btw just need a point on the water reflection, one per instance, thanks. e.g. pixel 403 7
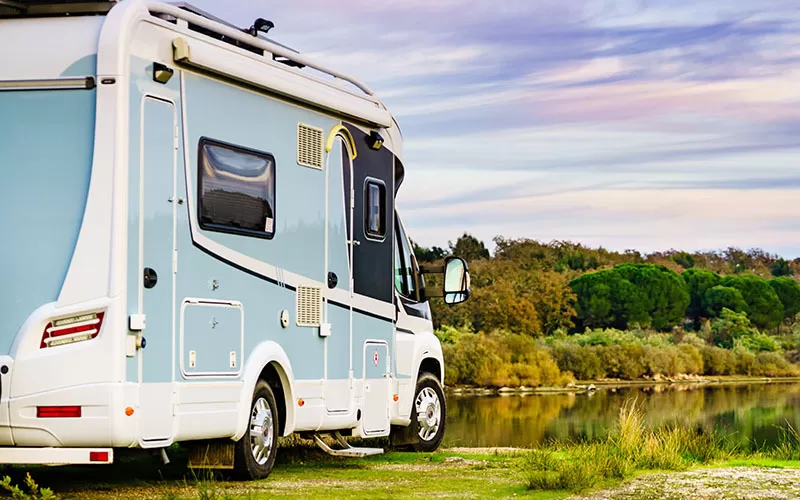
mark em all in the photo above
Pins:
pixel 750 414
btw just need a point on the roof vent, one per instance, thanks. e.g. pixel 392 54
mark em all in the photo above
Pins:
pixel 309 146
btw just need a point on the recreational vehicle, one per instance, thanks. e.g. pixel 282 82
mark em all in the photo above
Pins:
pixel 200 245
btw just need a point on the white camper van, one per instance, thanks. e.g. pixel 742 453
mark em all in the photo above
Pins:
pixel 200 245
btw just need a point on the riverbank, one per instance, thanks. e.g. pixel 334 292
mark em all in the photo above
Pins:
pixel 583 386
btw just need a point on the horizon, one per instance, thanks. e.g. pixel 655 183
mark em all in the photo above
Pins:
pixel 627 124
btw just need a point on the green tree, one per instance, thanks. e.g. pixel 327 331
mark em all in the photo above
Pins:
pixel 718 298
pixel 780 268
pixel 469 248
pixel 765 309
pixel 698 282
pixel 788 292
pixel 684 259
pixel 606 299
pixel 424 254
pixel 662 292
pixel 730 326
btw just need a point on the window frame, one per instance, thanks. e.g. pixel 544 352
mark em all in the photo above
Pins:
pixel 220 228
pixel 382 188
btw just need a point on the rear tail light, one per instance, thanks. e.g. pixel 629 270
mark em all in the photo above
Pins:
pixel 58 412
pixel 98 456
pixel 73 329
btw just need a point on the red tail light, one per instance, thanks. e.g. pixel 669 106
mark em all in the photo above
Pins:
pixel 58 412
pixel 73 329
pixel 98 456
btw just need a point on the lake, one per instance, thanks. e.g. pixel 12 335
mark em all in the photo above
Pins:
pixel 747 413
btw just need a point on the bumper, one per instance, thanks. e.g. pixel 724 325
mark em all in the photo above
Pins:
pixel 56 456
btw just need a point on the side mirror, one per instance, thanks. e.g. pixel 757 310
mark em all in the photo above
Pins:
pixel 456 281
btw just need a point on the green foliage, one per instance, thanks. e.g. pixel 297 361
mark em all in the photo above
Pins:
pixel 424 254
pixel 661 290
pixel 780 268
pixel 35 492
pixel 788 292
pixel 498 359
pixel 722 297
pixel 698 282
pixel 606 299
pixel 683 259
pixel 764 307
pixel 718 361
pixel 469 248
pixel 729 327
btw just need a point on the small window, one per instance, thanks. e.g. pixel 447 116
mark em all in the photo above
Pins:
pixel 375 209
pixel 237 189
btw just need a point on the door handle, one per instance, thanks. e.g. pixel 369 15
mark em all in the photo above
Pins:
pixel 150 277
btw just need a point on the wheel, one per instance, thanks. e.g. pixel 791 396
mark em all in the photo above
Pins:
pixel 428 414
pixel 255 452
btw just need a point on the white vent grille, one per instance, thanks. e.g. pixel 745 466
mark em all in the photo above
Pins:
pixel 309 146
pixel 309 306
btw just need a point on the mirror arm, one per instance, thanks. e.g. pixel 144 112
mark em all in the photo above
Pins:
pixel 431 268
pixel 434 293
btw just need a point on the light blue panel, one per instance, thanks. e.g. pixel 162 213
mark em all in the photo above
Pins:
pixel 337 226
pixel 46 144
pixel 213 332
pixel 367 328
pixel 339 342
pixel 375 360
pixel 252 120
pixel 158 217
pixel 255 121
pixel 158 245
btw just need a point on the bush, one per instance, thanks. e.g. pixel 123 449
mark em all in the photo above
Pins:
pixel 729 327
pixel 772 364
pixel 718 361
pixel 497 359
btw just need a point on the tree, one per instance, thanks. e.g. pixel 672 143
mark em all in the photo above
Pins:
pixel 788 291
pixel 606 299
pixel 723 297
pixel 469 248
pixel 424 254
pixel 684 259
pixel 662 292
pixel 765 309
pixel 698 282
pixel 780 268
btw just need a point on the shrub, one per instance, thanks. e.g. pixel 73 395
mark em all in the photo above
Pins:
pixel 583 362
pixel 718 361
pixel 691 358
pixel 729 327
pixel 772 364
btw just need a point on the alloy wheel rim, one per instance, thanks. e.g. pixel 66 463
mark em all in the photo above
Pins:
pixel 429 413
pixel 261 432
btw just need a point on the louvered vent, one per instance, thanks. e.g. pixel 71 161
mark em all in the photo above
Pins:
pixel 309 306
pixel 309 146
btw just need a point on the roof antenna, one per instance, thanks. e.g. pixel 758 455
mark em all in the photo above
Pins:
pixel 260 25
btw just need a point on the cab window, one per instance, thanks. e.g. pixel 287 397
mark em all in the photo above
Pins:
pixel 404 267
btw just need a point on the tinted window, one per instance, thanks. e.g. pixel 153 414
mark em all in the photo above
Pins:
pixel 237 189
pixel 374 209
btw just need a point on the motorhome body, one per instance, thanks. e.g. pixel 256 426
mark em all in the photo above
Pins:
pixel 200 242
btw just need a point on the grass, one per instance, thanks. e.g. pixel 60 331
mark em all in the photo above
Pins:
pixel 555 470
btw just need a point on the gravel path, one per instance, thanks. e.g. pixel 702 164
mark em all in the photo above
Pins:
pixel 727 483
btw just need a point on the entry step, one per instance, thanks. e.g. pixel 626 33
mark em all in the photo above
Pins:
pixel 345 449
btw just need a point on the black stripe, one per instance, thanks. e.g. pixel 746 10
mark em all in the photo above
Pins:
pixel 405 331
pixel 361 311
pixel 417 310
pixel 242 268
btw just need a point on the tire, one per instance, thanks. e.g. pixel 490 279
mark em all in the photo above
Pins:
pixel 428 414
pixel 254 454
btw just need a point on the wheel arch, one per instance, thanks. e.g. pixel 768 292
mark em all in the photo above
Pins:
pixel 268 362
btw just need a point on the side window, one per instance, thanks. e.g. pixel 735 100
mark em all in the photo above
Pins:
pixel 404 277
pixel 374 209
pixel 236 189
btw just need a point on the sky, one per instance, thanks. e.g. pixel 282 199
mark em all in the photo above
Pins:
pixel 627 124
